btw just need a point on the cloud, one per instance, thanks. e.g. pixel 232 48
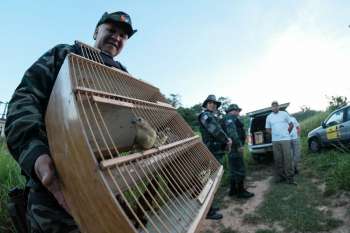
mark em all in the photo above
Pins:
pixel 302 65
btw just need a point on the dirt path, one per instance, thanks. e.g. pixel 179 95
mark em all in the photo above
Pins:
pixel 235 210
pixel 234 214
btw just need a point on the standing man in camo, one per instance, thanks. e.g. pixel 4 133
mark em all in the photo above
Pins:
pixel 25 127
pixel 235 130
pixel 214 138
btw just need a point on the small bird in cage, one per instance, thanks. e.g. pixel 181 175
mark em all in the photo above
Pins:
pixel 146 137
pixel 205 175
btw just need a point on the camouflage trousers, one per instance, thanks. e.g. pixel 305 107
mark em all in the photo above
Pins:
pixel 45 215
pixel 236 166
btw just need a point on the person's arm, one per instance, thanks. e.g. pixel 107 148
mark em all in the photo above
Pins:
pixel 290 122
pixel 290 127
pixel 25 127
pixel 297 126
pixel 268 125
pixel 231 131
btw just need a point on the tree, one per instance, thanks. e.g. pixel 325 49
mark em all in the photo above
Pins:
pixel 225 102
pixel 174 100
pixel 336 102
pixel 305 108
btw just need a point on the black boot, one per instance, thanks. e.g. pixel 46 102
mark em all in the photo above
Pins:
pixel 213 215
pixel 233 189
pixel 242 192
pixel 296 171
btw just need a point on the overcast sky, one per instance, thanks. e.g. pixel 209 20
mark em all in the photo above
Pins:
pixel 250 51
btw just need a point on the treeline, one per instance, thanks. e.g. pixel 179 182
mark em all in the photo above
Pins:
pixel 191 114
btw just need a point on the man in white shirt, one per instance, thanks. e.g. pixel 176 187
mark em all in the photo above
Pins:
pixel 280 125
pixel 295 143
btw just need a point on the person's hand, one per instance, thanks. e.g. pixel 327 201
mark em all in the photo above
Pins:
pixel 46 172
pixel 241 149
pixel 290 127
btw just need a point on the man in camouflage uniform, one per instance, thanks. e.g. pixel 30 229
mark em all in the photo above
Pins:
pixel 25 126
pixel 214 138
pixel 235 130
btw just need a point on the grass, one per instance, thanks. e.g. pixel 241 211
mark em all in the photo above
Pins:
pixel 312 122
pixel 227 230
pixel 9 177
pixel 296 207
pixel 265 231
pixel 332 165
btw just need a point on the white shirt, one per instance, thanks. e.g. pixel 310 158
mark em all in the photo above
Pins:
pixel 294 133
pixel 279 123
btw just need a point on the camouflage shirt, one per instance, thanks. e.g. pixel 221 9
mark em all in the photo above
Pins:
pixel 25 125
pixel 213 135
pixel 229 126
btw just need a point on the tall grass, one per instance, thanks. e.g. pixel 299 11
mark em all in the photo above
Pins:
pixel 10 177
pixel 331 165
pixel 312 122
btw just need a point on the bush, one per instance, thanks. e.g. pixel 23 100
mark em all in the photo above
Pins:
pixel 10 177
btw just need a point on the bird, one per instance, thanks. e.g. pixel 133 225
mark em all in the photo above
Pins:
pixel 146 137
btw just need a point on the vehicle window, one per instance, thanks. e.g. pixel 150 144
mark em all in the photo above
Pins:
pixel 335 119
pixel 348 114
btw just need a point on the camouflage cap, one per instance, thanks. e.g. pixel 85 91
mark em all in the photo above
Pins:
pixel 233 107
pixel 122 19
pixel 211 98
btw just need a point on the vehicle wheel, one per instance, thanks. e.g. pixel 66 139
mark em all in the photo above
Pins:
pixel 314 145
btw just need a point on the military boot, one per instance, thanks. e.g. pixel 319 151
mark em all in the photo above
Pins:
pixel 242 192
pixel 213 215
pixel 233 189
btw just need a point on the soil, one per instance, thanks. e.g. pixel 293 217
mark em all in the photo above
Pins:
pixel 235 212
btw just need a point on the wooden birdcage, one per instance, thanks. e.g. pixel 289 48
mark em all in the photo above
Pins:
pixel 108 183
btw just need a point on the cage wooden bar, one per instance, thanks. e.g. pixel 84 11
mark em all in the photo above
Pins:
pixel 109 184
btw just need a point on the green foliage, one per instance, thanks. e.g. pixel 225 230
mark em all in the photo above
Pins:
pixel 312 122
pixel 265 231
pixel 305 114
pixel 227 230
pixel 190 115
pixel 225 102
pixel 336 102
pixel 174 100
pixel 295 208
pixel 333 167
pixel 10 177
